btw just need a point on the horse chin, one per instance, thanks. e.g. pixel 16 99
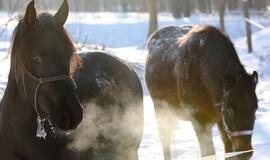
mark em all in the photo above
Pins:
pixel 57 131
pixel 243 144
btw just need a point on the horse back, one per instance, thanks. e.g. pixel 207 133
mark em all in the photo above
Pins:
pixel 111 94
pixel 100 71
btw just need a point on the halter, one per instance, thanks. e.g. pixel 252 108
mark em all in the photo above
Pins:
pixel 229 132
pixel 41 133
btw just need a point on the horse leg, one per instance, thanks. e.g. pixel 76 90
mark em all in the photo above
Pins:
pixel 225 138
pixel 166 125
pixel 204 135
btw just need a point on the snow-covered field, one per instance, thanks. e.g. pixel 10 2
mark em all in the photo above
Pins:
pixel 125 35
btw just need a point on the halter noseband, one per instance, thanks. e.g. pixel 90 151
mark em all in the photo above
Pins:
pixel 41 133
pixel 229 132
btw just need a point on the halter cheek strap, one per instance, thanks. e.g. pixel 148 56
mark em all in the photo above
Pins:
pixel 230 133
pixel 41 133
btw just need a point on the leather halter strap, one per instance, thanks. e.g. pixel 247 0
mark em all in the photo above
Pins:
pixel 41 81
pixel 232 134
pixel 229 132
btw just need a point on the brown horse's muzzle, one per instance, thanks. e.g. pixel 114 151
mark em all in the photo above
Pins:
pixel 242 143
pixel 71 116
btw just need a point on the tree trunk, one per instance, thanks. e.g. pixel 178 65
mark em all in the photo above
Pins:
pixel 248 26
pixel 1 5
pixel 124 5
pixel 153 19
pixel 202 6
pixel 221 15
pixel 232 4
pixel 260 4
pixel 186 8
pixel 176 8
pixel 143 6
pixel 209 6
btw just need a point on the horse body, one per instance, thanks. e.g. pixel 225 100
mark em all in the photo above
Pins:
pixel 112 95
pixel 189 74
pixel 41 99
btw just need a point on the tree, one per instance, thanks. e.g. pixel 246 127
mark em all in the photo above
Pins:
pixel 141 5
pixel 124 5
pixel 209 6
pixel 221 15
pixel 259 4
pixel 175 7
pixel 232 4
pixel 1 2
pixel 153 20
pixel 186 8
pixel 202 5
pixel 248 26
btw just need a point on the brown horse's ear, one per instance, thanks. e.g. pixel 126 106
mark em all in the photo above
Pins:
pixel 62 13
pixel 30 14
pixel 255 77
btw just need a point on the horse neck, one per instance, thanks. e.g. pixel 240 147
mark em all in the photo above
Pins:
pixel 215 81
pixel 16 112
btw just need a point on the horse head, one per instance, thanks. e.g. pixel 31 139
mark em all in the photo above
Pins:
pixel 42 54
pixel 238 110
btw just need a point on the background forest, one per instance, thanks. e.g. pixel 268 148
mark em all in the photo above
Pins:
pixel 178 7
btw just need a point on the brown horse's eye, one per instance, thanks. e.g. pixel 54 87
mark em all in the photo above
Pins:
pixel 37 59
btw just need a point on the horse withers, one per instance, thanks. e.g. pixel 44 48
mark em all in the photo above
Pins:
pixel 194 73
pixel 41 109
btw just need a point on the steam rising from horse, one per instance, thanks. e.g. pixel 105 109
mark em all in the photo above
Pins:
pixel 42 99
pixel 194 73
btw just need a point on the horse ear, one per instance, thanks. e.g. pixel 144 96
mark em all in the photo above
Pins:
pixel 30 14
pixel 255 77
pixel 62 13
pixel 229 81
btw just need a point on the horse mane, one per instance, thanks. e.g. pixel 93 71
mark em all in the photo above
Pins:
pixel 43 20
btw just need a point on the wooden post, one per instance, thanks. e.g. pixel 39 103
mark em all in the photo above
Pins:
pixel 248 25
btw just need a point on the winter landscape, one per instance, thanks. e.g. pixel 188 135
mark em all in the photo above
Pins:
pixel 124 35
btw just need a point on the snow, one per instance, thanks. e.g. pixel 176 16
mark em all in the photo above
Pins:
pixel 125 36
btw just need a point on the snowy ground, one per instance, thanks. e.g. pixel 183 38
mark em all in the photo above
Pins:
pixel 125 35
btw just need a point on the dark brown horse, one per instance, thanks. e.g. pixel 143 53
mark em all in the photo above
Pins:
pixel 42 104
pixel 194 73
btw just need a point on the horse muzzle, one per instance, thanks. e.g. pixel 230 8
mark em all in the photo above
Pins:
pixel 242 143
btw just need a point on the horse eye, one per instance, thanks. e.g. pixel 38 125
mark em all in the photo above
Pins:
pixel 37 59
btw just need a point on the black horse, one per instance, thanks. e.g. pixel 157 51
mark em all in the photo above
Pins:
pixel 193 72
pixel 61 106
pixel 113 96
